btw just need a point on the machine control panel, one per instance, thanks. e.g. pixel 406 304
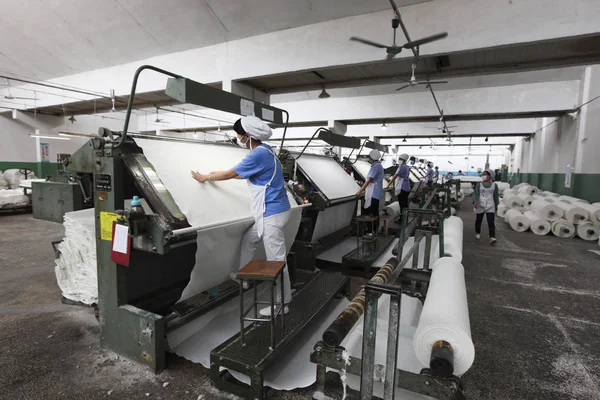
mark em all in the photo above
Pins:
pixel 103 182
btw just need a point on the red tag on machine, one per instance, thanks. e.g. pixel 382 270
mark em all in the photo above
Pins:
pixel 121 244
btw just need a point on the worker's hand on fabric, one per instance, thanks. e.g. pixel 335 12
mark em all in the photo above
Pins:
pixel 199 177
pixel 359 193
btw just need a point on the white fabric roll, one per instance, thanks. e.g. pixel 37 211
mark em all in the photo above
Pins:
pixel 466 185
pixel 596 204
pixel 452 211
pixel 538 225
pixel 546 210
pixel 563 229
pixel 517 221
pixel 453 238
pixel 573 213
pixel 461 195
pixel 573 200
pixel 527 200
pixel 530 190
pixel 547 199
pixel 502 209
pixel 551 194
pixel 445 316
pixel 588 231
pixel 593 210
pixel 502 186
pixel 512 200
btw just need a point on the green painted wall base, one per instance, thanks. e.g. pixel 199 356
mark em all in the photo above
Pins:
pixel 40 169
pixel 583 186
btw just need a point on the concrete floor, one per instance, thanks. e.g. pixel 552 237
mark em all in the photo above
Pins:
pixel 534 306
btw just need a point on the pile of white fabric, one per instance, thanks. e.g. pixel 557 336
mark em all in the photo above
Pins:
pixel 525 207
pixel 13 177
pixel 3 183
pixel 75 270
pixel 10 198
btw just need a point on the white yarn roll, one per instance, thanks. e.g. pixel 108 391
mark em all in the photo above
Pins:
pixel 573 213
pixel 588 231
pixel 502 186
pixel 530 190
pixel 502 209
pixel 546 210
pixel 527 200
pixel 593 210
pixel 453 238
pixel 573 200
pixel 563 229
pixel 512 200
pixel 445 316
pixel 538 225
pixel 517 221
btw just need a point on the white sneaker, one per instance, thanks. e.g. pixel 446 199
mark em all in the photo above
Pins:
pixel 478 236
pixel 266 312
pixel 234 278
pixel 492 240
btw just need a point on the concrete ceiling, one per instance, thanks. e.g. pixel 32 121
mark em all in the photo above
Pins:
pixel 43 39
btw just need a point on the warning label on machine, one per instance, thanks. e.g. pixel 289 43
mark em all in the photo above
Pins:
pixel 106 224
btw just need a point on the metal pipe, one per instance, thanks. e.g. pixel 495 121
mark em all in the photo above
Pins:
pixel 287 120
pixel 307 143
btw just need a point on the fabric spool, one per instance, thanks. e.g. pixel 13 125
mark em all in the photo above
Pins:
pixel 547 199
pixel 538 225
pixel 512 200
pixel 502 186
pixel 551 194
pixel 548 211
pixel 502 209
pixel 517 221
pixel 588 231
pixel 573 213
pixel 530 190
pixel 593 210
pixel 596 204
pixel 445 316
pixel 527 200
pixel 453 238
pixel 563 229
pixel 461 195
pixel 573 200
pixel 452 211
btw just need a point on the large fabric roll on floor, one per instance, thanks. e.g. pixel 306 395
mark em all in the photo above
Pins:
pixel 563 229
pixel 573 200
pixel 453 238
pixel 502 209
pixel 588 231
pixel 461 195
pixel 527 200
pixel 502 186
pixel 445 316
pixel 512 200
pixel 546 210
pixel 538 225
pixel 530 190
pixel 543 198
pixel 517 221
pixel 596 204
pixel 573 213
pixel 550 194
pixel 593 210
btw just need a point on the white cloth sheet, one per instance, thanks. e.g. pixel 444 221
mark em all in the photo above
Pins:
pixel 329 177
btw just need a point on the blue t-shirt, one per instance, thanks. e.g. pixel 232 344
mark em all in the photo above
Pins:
pixel 258 166
pixel 376 175
pixel 430 174
pixel 403 172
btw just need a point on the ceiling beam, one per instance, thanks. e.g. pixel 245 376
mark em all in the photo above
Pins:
pixel 428 144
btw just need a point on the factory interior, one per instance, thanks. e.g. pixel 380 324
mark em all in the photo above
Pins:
pixel 300 199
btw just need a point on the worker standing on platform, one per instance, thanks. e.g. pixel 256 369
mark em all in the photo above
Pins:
pixel 485 201
pixel 436 175
pixel 403 184
pixel 270 204
pixel 429 174
pixel 373 187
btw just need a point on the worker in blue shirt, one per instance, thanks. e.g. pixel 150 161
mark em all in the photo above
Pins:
pixel 403 185
pixel 373 187
pixel 429 174
pixel 270 204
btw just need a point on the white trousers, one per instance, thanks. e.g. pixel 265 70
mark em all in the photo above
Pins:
pixel 275 249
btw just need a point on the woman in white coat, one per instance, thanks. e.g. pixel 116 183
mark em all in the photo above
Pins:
pixel 270 204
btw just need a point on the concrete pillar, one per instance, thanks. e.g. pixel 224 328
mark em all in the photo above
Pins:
pixel 588 136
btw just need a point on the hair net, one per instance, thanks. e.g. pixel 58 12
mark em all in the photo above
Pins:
pixel 403 157
pixel 256 127
pixel 375 155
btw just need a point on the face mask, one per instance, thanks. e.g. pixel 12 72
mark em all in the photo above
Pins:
pixel 242 144
pixel 485 178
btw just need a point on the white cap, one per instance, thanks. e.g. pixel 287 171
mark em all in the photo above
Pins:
pixel 403 156
pixel 375 155
pixel 256 127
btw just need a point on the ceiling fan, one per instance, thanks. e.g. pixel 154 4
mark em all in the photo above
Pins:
pixel 395 49
pixel 158 120
pixel 413 80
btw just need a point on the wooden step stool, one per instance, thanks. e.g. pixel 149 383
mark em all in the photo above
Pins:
pixel 256 271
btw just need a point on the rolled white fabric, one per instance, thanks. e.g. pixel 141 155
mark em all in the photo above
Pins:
pixel 548 211
pixel 538 225
pixel 573 200
pixel 547 199
pixel 452 211
pixel 502 209
pixel 461 195
pixel 512 200
pixel 530 190
pixel 502 186
pixel 596 204
pixel 588 231
pixel 551 194
pixel 573 213
pixel 517 221
pixel 445 316
pixel 527 200
pixel 466 185
pixel 563 229
pixel 593 210
pixel 453 238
